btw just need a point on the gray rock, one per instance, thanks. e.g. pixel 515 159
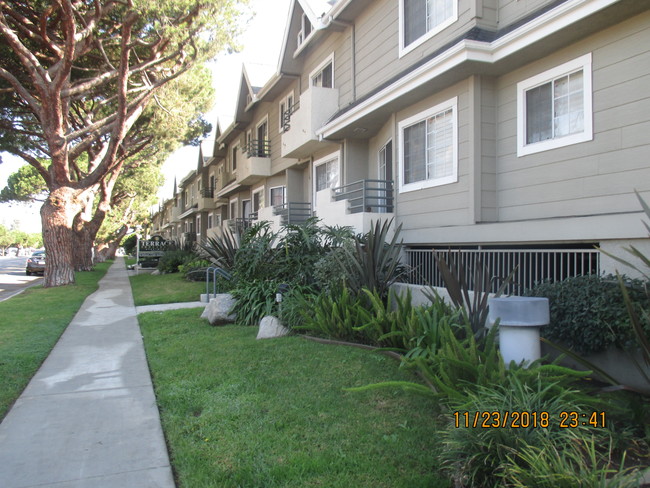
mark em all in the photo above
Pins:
pixel 218 310
pixel 271 327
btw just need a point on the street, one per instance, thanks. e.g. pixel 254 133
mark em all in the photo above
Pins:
pixel 12 276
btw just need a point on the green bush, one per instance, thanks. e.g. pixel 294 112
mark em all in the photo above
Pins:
pixel 171 260
pixel 195 269
pixel 255 299
pixel 588 313
pixel 477 456
pixel 129 244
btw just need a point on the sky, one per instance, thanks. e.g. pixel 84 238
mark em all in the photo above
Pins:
pixel 261 42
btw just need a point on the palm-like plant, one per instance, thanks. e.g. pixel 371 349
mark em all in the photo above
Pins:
pixel 374 260
pixel 222 250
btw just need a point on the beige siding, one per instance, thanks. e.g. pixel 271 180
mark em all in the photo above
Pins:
pixel 595 177
pixel 446 204
pixel 377 46
pixel 510 11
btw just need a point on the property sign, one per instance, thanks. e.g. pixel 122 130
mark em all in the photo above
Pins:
pixel 151 250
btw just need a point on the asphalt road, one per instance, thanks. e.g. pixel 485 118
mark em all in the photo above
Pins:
pixel 12 276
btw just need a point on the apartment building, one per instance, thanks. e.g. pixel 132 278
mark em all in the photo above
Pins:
pixel 515 131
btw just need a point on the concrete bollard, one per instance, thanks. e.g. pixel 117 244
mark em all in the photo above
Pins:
pixel 520 319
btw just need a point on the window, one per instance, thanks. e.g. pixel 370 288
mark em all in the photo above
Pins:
pixel 327 174
pixel 233 209
pixel 233 159
pixel 554 108
pixel 428 151
pixel 385 172
pixel 258 199
pixel 277 196
pixel 323 76
pixel 210 221
pixel 422 19
pixel 305 30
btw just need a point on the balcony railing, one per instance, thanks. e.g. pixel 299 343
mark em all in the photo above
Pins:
pixel 257 148
pixel 240 224
pixel 293 213
pixel 207 193
pixel 532 266
pixel 367 196
pixel 286 115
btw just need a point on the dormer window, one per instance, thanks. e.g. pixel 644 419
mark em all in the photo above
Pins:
pixel 422 19
pixel 305 30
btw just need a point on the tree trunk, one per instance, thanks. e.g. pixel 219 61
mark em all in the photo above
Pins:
pixel 57 218
pixel 83 249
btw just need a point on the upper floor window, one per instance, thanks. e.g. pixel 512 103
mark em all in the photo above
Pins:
pixel 554 108
pixel 286 109
pixel 324 75
pixel 422 19
pixel 233 159
pixel 305 30
pixel 428 152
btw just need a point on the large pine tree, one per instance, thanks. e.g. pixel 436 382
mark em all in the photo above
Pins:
pixel 75 78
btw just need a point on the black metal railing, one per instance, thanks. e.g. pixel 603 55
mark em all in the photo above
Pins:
pixel 240 224
pixel 207 192
pixel 293 213
pixel 286 116
pixel 367 196
pixel 260 148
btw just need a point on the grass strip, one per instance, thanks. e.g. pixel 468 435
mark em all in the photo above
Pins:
pixel 31 324
pixel 151 289
pixel 240 412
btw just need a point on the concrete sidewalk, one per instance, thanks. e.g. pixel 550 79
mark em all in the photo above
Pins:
pixel 88 418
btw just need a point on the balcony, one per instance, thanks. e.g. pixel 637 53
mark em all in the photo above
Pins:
pixel 300 123
pixel 293 213
pixel 206 199
pixel 256 164
pixel 356 204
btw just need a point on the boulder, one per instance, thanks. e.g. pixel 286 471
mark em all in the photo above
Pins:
pixel 218 310
pixel 271 327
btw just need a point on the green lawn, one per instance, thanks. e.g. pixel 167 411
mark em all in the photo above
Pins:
pixel 31 324
pixel 241 412
pixel 151 289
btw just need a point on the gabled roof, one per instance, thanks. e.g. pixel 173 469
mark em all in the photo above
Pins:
pixel 321 15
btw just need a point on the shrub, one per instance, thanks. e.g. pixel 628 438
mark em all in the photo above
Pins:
pixel 171 260
pixel 255 299
pixel 588 313
pixel 195 269
pixel 129 244
pixel 477 456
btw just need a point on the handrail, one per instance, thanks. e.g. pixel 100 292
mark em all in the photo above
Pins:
pixel 215 270
pixel 368 195
pixel 258 148
pixel 286 115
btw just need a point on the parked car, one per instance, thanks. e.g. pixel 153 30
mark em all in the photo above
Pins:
pixel 36 263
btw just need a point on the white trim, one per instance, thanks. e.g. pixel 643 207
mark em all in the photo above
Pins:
pixel 543 26
pixel 429 183
pixel 336 155
pixel 403 50
pixel 234 200
pixel 582 63
pixel 319 68
pixel 284 194
pixel 255 191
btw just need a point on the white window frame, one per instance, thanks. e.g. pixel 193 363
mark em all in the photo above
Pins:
pixel 320 67
pixel 257 191
pixel 415 119
pixel 235 150
pixel 403 50
pixel 284 194
pixel 319 162
pixel 285 102
pixel 587 134
pixel 230 207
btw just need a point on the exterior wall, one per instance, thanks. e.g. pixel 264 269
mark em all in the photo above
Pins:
pixel 377 42
pixel 595 177
pixel 441 205
pixel 510 11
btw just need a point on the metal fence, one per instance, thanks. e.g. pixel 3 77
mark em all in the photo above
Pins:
pixel 367 196
pixel 293 212
pixel 528 266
